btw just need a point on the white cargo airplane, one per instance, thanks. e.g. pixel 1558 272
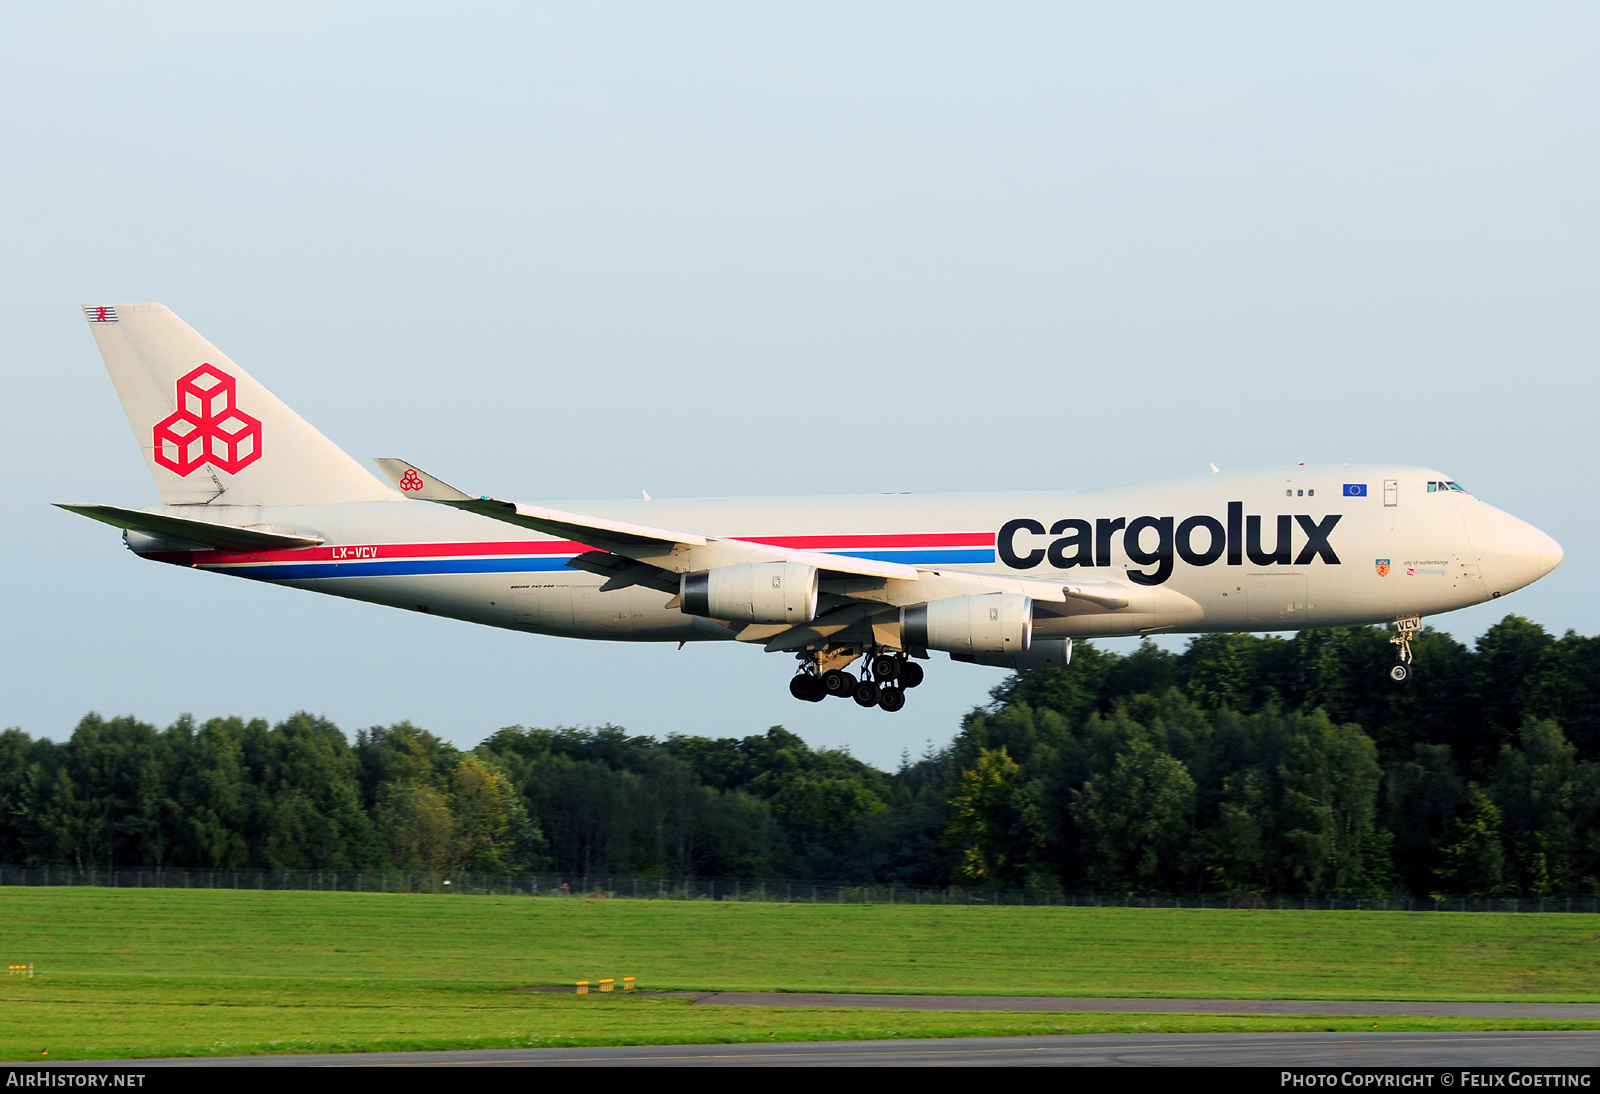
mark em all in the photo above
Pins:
pixel 249 489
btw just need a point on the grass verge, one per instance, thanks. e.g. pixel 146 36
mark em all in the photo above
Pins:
pixel 128 973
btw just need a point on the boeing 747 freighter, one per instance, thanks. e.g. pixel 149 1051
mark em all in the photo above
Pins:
pixel 869 584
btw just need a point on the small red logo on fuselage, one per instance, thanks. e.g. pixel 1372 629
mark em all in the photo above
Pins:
pixel 207 427
pixel 410 481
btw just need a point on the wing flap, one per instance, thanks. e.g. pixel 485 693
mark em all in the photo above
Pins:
pixel 621 572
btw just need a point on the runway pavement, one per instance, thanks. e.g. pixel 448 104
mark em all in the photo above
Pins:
pixel 1590 1011
pixel 1342 1050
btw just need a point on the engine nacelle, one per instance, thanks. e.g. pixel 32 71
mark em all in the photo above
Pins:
pixel 759 592
pixel 1044 653
pixel 990 623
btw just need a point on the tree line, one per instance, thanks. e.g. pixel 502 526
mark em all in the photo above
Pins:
pixel 1241 764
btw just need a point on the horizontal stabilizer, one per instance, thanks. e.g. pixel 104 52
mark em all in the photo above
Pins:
pixel 414 482
pixel 222 537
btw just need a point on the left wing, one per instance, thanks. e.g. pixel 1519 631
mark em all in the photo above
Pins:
pixel 867 593
pixel 659 548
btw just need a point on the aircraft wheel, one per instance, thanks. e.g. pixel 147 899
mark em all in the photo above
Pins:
pixel 891 699
pixel 910 674
pixel 807 688
pixel 885 667
pixel 1400 672
pixel 866 694
pixel 838 682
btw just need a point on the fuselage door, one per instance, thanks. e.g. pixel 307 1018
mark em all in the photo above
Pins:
pixel 1277 600
pixel 544 608
pixel 595 612
pixel 1391 491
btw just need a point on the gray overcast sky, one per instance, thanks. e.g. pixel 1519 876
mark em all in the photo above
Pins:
pixel 571 251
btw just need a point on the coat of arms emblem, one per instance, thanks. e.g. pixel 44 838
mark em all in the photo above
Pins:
pixel 1382 565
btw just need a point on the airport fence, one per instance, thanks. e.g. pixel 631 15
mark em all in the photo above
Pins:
pixel 760 890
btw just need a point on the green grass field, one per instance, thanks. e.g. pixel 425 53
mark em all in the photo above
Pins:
pixel 152 972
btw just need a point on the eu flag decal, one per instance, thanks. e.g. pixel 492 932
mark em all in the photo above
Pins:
pixel 1355 489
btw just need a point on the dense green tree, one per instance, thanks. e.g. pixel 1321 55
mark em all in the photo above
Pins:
pixel 19 777
pixel 1513 672
pixel 1330 789
pixel 217 797
pixel 521 844
pixel 418 828
pixel 1299 808
pixel 1545 798
pixel 1241 851
pixel 1418 800
pixel 483 823
pixel 996 821
pixel 1570 692
pixel 1473 860
pixel 311 815
pixel 1471 699
pixel 1137 821
pixel 821 813
pixel 1243 763
pixel 109 803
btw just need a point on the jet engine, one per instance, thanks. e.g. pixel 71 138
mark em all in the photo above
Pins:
pixel 1044 653
pixel 990 623
pixel 759 592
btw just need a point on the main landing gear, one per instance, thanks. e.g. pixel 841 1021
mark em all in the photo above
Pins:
pixel 1400 671
pixel 884 677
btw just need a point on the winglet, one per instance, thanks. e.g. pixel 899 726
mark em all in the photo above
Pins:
pixel 416 483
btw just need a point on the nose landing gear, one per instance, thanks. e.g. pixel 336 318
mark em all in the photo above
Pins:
pixel 1400 671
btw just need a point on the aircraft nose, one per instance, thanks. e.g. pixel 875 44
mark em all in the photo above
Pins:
pixel 1550 554
pixel 1513 553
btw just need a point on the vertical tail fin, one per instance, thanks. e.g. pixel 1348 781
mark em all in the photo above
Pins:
pixel 209 432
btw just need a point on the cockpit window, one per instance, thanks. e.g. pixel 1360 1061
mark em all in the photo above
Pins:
pixel 1433 487
pixel 1457 487
pixel 1445 487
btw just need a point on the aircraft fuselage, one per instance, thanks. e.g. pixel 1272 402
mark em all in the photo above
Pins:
pixel 1250 550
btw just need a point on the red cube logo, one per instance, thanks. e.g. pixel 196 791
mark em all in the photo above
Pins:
pixel 207 428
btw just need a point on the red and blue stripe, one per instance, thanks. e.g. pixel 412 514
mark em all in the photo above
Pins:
pixel 534 556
